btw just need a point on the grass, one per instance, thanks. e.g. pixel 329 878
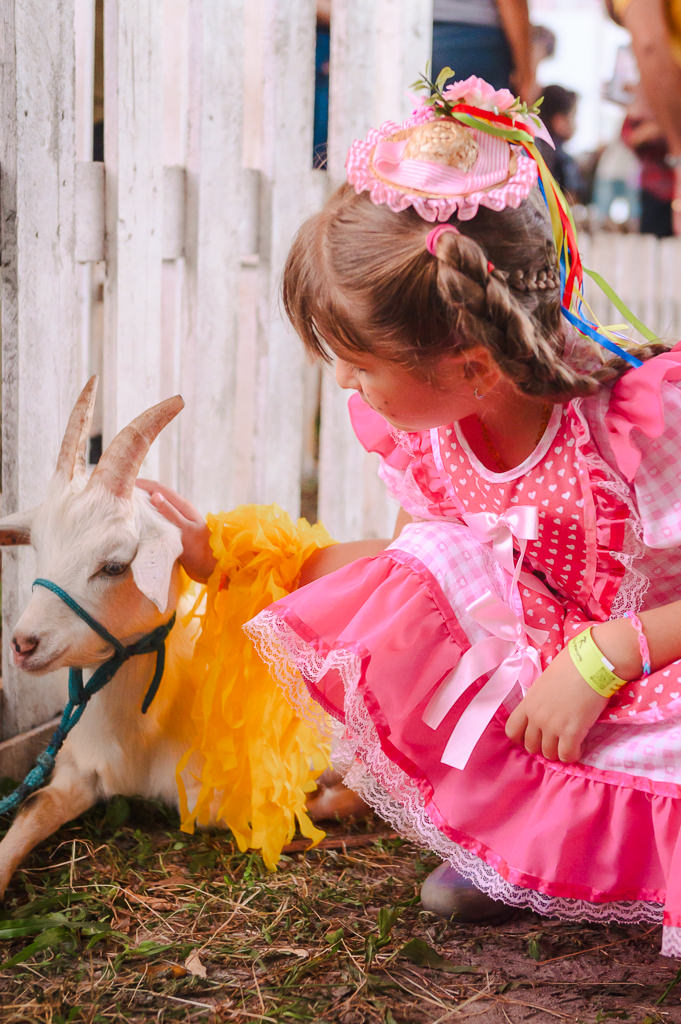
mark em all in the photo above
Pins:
pixel 120 917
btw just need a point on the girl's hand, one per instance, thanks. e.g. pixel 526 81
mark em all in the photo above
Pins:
pixel 197 559
pixel 556 713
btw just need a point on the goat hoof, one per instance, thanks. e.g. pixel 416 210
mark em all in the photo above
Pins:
pixel 332 800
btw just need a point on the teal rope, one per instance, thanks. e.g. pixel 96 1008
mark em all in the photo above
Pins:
pixel 80 693
pixel 80 612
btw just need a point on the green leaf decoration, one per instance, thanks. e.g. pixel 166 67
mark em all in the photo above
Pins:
pixel 619 305
pixel 510 134
pixel 442 79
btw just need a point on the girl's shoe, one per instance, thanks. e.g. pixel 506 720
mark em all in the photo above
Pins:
pixel 450 894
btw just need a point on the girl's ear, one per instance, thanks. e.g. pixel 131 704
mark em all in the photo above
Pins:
pixel 478 367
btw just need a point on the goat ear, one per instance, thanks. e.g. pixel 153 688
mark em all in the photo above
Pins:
pixel 152 566
pixel 16 529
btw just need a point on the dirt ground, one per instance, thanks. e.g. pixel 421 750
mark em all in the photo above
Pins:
pixel 121 917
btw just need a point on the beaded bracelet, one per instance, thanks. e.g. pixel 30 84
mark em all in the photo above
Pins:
pixel 593 666
pixel 642 641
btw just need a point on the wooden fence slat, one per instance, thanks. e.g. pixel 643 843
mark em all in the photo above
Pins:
pixel 669 314
pixel 133 137
pixel 39 300
pixel 215 207
pixel 361 52
pixel 89 187
pixel 288 89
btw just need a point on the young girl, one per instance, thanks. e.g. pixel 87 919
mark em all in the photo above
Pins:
pixel 505 675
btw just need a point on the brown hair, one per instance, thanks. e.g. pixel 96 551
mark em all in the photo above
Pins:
pixel 359 276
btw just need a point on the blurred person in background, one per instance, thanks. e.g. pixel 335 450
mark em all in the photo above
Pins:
pixel 559 114
pixel 643 135
pixel 655 29
pixel 542 47
pixel 487 38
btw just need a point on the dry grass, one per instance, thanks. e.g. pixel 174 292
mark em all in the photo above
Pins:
pixel 120 917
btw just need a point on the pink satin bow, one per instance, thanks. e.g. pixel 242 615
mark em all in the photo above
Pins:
pixel 507 654
pixel 499 530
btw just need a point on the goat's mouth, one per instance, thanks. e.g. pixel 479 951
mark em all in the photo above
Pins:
pixel 39 662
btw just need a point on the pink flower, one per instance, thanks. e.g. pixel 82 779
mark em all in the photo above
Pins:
pixel 479 93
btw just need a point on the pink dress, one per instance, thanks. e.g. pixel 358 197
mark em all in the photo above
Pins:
pixel 418 654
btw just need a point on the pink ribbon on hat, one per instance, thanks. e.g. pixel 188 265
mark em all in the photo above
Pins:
pixel 434 178
pixel 505 653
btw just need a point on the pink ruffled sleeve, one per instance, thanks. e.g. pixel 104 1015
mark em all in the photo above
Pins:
pixel 407 468
pixel 643 421
pixel 375 435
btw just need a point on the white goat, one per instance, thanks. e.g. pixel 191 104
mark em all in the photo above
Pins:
pixel 99 540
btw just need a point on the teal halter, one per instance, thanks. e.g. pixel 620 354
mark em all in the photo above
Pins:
pixel 80 693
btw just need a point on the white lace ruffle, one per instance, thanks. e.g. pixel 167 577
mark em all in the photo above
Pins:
pixel 288 655
pixel 635 583
pixel 671 942
pixel 391 792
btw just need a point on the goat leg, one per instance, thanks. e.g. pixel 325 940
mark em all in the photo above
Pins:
pixel 67 795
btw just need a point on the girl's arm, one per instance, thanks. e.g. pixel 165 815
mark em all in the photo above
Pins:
pixel 560 708
pixel 334 557
pixel 515 20
pixel 337 555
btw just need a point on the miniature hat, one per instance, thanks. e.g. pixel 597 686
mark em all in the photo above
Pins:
pixel 457 151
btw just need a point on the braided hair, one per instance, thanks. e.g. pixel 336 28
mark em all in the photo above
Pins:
pixel 359 276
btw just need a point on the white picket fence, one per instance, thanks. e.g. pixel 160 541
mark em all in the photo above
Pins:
pixel 184 228
pixel 208 112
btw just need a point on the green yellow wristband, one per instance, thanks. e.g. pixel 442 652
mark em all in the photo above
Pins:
pixel 593 666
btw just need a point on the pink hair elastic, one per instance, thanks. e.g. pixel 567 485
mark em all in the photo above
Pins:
pixel 642 642
pixel 433 237
pixel 434 234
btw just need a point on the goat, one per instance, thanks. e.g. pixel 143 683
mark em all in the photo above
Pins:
pixel 99 541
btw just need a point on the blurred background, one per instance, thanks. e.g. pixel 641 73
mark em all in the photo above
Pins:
pixel 593 58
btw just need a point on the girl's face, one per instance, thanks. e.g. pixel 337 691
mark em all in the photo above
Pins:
pixel 404 398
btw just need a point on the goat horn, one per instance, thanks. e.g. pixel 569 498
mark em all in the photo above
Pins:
pixel 72 454
pixel 119 465
pixel 16 528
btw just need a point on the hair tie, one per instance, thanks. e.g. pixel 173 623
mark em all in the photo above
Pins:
pixel 433 236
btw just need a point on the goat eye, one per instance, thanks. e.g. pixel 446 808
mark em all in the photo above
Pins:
pixel 113 568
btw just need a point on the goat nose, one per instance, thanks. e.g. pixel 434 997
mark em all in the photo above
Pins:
pixel 24 645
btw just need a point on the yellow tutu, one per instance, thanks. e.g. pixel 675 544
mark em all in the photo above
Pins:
pixel 253 760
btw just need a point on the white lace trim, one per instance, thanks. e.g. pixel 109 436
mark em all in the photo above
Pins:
pixel 283 651
pixel 391 792
pixel 671 941
pixel 533 459
pixel 634 583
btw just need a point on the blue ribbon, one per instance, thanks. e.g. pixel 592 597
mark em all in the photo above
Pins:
pixel 577 320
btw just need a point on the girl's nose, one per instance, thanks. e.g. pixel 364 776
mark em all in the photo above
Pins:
pixel 346 374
